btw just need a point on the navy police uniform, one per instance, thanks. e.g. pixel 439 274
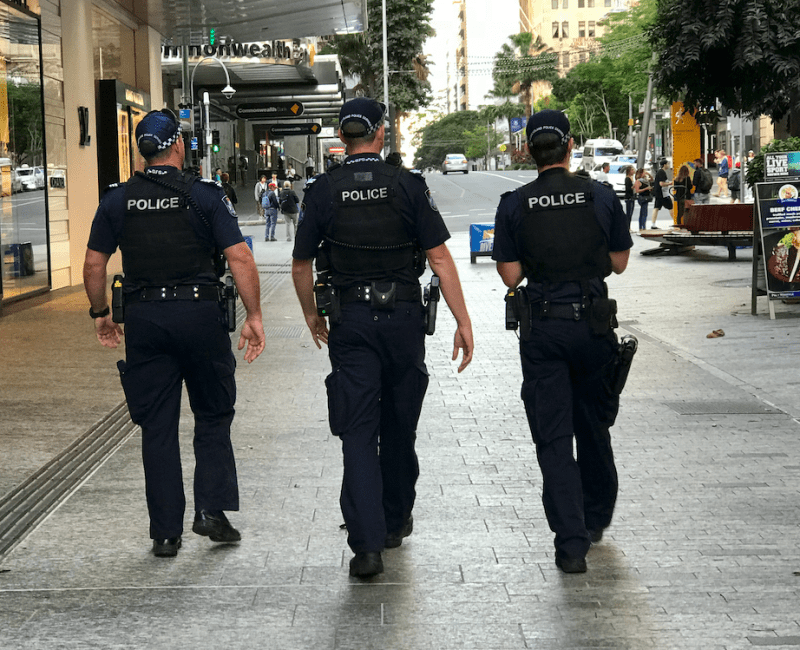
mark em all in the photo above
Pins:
pixel 561 228
pixel 175 332
pixel 373 221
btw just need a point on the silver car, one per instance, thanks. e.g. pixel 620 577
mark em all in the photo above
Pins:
pixel 455 162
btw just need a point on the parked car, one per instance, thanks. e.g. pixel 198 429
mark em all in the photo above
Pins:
pixel 616 175
pixel 629 158
pixel 25 177
pixel 576 160
pixel 455 162
pixel 38 176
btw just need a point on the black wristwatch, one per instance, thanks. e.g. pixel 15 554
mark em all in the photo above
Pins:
pixel 100 314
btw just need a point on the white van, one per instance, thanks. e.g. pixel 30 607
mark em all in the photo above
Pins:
pixel 596 152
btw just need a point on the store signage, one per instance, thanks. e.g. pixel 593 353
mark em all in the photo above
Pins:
pixel 269 109
pixel 336 150
pixel 285 52
pixel 306 128
pixel 778 212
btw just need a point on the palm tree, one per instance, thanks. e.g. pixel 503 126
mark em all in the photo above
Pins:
pixel 520 64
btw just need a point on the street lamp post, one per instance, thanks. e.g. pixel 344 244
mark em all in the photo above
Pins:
pixel 227 92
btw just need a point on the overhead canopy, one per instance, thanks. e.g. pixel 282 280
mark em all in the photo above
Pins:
pixel 255 20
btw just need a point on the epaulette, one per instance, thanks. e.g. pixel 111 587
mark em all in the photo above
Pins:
pixel 335 165
pixel 417 173
pixel 505 194
pixel 111 187
pixel 309 183
pixel 210 181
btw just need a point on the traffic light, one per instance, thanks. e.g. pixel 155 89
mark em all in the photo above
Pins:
pixel 215 141
pixel 212 36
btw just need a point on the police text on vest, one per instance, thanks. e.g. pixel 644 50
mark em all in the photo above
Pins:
pixel 154 204
pixel 368 194
pixel 555 200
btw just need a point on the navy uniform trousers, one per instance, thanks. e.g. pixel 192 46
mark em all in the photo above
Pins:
pixel 565 370
pixel 166 344
pixel 375 389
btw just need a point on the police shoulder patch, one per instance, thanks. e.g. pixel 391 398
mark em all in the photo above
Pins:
pixel 431 202
pixel 229 205
pixel 210 181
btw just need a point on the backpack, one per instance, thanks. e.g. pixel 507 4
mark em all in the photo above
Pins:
pixel 706 181
pixel 287 203
pixel 268 199
pixel 735 180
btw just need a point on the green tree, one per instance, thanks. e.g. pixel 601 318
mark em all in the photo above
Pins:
pixel 26 137
pixel 447 135
pixel 361 55
pixel 746 53
pixel 521 63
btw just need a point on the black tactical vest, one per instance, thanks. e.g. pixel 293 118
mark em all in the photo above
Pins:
pixel 159 244
pixel 369 239
pixel 559 236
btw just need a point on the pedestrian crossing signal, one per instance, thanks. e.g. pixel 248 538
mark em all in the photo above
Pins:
pixel 212 36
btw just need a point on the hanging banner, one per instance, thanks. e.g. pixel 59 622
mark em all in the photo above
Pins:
pixel 778 212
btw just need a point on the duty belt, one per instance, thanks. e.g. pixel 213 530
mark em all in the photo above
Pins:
pixel 180 292
pixel 364 293
pixel 568 311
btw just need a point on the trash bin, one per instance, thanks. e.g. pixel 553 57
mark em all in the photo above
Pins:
pixel 22 256
pixel 481 240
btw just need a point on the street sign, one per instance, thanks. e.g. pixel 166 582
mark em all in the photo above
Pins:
pixel 517 124
pixel 185 114
pixel 304 128
pixel 269 109
pixel 194 144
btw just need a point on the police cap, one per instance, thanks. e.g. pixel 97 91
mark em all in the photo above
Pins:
pixel 157 131
pixel 361 116
pixel 548 121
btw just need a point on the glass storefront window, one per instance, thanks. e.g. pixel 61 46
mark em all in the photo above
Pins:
pixel 23 202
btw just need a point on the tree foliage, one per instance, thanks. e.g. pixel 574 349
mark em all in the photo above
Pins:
pixel 521 63
pixel 746 53
pixel 26 136
pixel 447 135
pixel 361 55
pixel 595 93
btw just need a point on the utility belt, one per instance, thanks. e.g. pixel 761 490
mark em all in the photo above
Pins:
pixel 600 313
pixel 225 295
pixel 380 295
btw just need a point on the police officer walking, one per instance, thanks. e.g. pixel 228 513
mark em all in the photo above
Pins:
pixel 168 225
pixel 377 223
pixel 565 234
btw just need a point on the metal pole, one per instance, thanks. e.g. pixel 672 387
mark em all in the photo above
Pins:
pixel 648 110
pixel 630 122
pixel 207 135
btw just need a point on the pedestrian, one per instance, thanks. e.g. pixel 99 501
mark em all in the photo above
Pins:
pixel 722 174
pixel 228 189
pixel 735 183
pixel 309 166
pixel 601 176
pixel 289 203
pixel 703 181
pixel 218 175
pixel 565 235
pixel 376 224
pixel 260 188
pixel 630 195
pixel 291 174
pixel 683 191
pixel 642 187
pixel 269 202
pixel 168 225
pixel 660 191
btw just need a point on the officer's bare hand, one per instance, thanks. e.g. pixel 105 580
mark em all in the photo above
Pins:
pixel 109 333
pixel 253 337
pixel 319 329
pixel 463 341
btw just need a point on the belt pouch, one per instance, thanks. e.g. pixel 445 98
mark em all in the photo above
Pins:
pixel 602 315
pixel 382 295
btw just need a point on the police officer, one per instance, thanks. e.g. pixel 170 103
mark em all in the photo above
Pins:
pixel 565 234
pixel 167 225
pixel 375 222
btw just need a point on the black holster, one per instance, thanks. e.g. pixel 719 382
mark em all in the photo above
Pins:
pixel 230 295
pixel 430 301
pixel 625 352
pixel 117 300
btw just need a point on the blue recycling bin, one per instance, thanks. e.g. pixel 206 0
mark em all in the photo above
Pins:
pixel 481 240
pixel 21 259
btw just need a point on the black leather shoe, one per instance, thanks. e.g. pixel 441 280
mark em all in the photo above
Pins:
pixel 215 525
pixel 393 540
pixel 571 564
pixel 166 547
pixel 366 565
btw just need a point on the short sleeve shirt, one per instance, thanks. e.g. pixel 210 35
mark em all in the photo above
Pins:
pixel 417 207
pixel 609 214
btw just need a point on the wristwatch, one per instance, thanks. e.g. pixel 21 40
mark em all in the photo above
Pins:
pixel 100 314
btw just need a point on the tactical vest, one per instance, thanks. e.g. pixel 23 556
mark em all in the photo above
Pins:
pixel 159 244
pixel 369 239
pixel 559 235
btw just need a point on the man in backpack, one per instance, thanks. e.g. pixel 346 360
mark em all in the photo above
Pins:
pixel 289 202
pixel 702 181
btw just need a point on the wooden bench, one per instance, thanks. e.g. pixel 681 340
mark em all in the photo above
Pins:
pixel 729 225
